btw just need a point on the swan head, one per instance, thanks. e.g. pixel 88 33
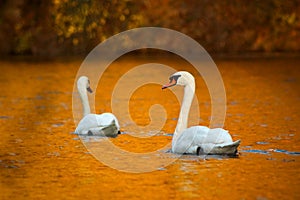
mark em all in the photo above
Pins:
pixel 182 78
pixel 83 83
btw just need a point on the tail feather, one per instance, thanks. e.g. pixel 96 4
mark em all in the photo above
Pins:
pixel 107 131
pixel 229 148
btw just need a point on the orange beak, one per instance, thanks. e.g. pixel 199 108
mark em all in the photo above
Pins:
pixel 172 83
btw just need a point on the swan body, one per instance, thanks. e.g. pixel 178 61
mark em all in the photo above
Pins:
pixel 105 124
pixel 197 139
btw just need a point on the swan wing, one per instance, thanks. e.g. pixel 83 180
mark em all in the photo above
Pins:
pixel 88 121
pixel 189 138
pixel 201 139
pixel 106 119
pixel 214 136
pixel 104 124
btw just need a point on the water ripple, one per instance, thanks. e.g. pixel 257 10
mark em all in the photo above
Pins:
pixel 255 151
pixel 270 150
pixel 286 152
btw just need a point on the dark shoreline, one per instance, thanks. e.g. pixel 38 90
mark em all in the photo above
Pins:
pixel 153 53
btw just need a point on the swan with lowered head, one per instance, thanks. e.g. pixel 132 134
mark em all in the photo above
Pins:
pixel 197 139
pixel 105 124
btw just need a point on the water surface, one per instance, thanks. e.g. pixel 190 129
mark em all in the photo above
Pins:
pixel 40 158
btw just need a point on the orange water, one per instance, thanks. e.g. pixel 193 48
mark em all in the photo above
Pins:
pixel 41 159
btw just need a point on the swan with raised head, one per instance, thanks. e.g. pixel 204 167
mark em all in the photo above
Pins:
pixel 197 139
pixel 105 124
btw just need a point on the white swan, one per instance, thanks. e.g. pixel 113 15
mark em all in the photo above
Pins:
pixel 197 139
pixel 105 124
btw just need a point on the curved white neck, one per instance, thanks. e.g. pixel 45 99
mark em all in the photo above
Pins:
pixel 84 100
pixel 189 91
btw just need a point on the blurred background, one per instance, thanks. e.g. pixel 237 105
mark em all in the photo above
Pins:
pixel 74 27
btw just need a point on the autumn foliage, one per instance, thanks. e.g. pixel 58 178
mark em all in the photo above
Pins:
pixel 72 27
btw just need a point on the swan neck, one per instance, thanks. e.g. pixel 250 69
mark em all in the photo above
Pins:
pixel 84 101
pixel 189 91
